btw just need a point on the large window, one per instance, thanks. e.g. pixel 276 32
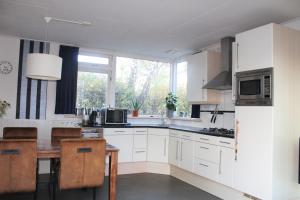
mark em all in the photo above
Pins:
pixel 93 80
pixel 146 81
pixel 181 89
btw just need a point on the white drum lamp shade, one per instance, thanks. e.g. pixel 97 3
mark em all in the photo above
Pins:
pixel 44 66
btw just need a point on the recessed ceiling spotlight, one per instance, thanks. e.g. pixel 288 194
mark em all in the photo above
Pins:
pixel 79 22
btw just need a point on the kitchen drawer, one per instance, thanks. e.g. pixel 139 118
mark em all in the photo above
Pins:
pixel 206 169
pixel 206 139
pixel 139 155
pixel 174 133
pixel 118 131
pixel 140 131
pixel 207 152
pixel 140 141
pixel 187 135
pixel 226 142
pixel 158 131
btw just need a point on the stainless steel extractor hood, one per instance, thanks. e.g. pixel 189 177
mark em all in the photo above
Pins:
pixel 223 81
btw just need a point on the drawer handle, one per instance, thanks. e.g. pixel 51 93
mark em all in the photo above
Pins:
pixel 225 142
pixel 204 139
pixel 141 131
pixel 203 165
pixel 204 148
pixel 119 131
pixel 140 151
pixel 186 136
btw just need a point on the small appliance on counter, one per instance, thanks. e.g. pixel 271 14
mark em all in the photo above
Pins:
pixel 113 116
pixel 91 117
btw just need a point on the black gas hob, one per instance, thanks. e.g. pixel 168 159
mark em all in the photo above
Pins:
pixel 218 131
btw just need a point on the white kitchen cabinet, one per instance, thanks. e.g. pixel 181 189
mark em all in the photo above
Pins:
pixel 139 144
pixel 202 67
pixel 253 161
pixel 207 152
pixel 254 49
pixel 186 154
pixel 206 169
pixel 174 150
pixel 158 145
pixel 226 166
pixel 181 151
pixel 122 138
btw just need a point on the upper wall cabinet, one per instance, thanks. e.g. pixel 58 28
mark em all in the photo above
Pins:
pixel 202 67
pixel 254 49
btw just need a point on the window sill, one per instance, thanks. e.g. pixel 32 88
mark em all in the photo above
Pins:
pixel 186 119
pixel 146 117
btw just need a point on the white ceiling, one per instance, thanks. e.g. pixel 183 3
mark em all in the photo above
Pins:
pixel 146 27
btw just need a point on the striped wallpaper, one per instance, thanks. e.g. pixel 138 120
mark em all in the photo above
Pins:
pixel 31 94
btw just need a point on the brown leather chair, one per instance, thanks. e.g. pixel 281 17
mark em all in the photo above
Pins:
pixel 20 132
pixel 59 133
pixel 18 166
pixel 82 164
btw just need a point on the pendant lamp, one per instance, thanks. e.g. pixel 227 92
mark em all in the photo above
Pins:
pixel 44 66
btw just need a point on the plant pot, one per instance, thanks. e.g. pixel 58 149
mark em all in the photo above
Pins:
pixel 170 113
pixel 135 113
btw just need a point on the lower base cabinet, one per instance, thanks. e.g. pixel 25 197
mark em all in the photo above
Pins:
pixel 226 166
pixel 158 145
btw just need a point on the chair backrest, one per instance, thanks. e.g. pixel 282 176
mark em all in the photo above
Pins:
pixel 59 133
pixel 82 163
pixel 18 161
pixel 20 132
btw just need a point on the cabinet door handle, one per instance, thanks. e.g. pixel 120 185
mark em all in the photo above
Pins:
pixel 204 139
pixel 224 142
pixel 220 162
pixel 237 127
pixel 237 56
pixel 140 151
pixel 203 165
pixel 177 144
pixel 165 146
pixel 181 151
pixel 204 148
pixel 203 82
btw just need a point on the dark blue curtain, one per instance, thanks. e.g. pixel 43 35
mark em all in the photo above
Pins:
pixel 66 88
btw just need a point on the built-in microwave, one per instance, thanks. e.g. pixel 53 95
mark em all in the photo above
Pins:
pixel 113 116
pixel 255 87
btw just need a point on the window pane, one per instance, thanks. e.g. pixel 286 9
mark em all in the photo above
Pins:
pixel 147 81
pixel 93 59
pixel 181 88
pixel 91 89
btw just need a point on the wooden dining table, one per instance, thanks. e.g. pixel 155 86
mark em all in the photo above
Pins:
pixel 48 150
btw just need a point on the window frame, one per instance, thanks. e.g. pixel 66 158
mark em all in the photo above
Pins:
pixel 99 68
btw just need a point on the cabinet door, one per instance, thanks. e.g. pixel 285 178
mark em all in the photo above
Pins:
pixel 226 166
pixel 124 143
pixel 255 48
pixel 174 144
pixel 197 79
pixel 157 148
pixel 186 154
pixel 253 161
pixel 140 141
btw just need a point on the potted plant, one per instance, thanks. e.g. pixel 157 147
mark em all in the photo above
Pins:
pixel 171 103
pixel 136 107
pixel 3 107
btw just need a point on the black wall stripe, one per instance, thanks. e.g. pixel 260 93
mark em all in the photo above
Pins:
pixel 38 93
pixel 19 79
pixel 28 98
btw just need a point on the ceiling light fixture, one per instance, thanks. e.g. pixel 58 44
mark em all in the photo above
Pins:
pixel 79 22
pixel 44 66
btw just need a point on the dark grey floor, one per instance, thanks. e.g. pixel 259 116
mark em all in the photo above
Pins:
pixel 130 187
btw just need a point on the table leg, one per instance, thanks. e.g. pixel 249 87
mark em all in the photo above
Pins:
pixel 113 173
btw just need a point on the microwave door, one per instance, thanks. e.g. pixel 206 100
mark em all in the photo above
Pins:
pixel 114 117
pixel 250 88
